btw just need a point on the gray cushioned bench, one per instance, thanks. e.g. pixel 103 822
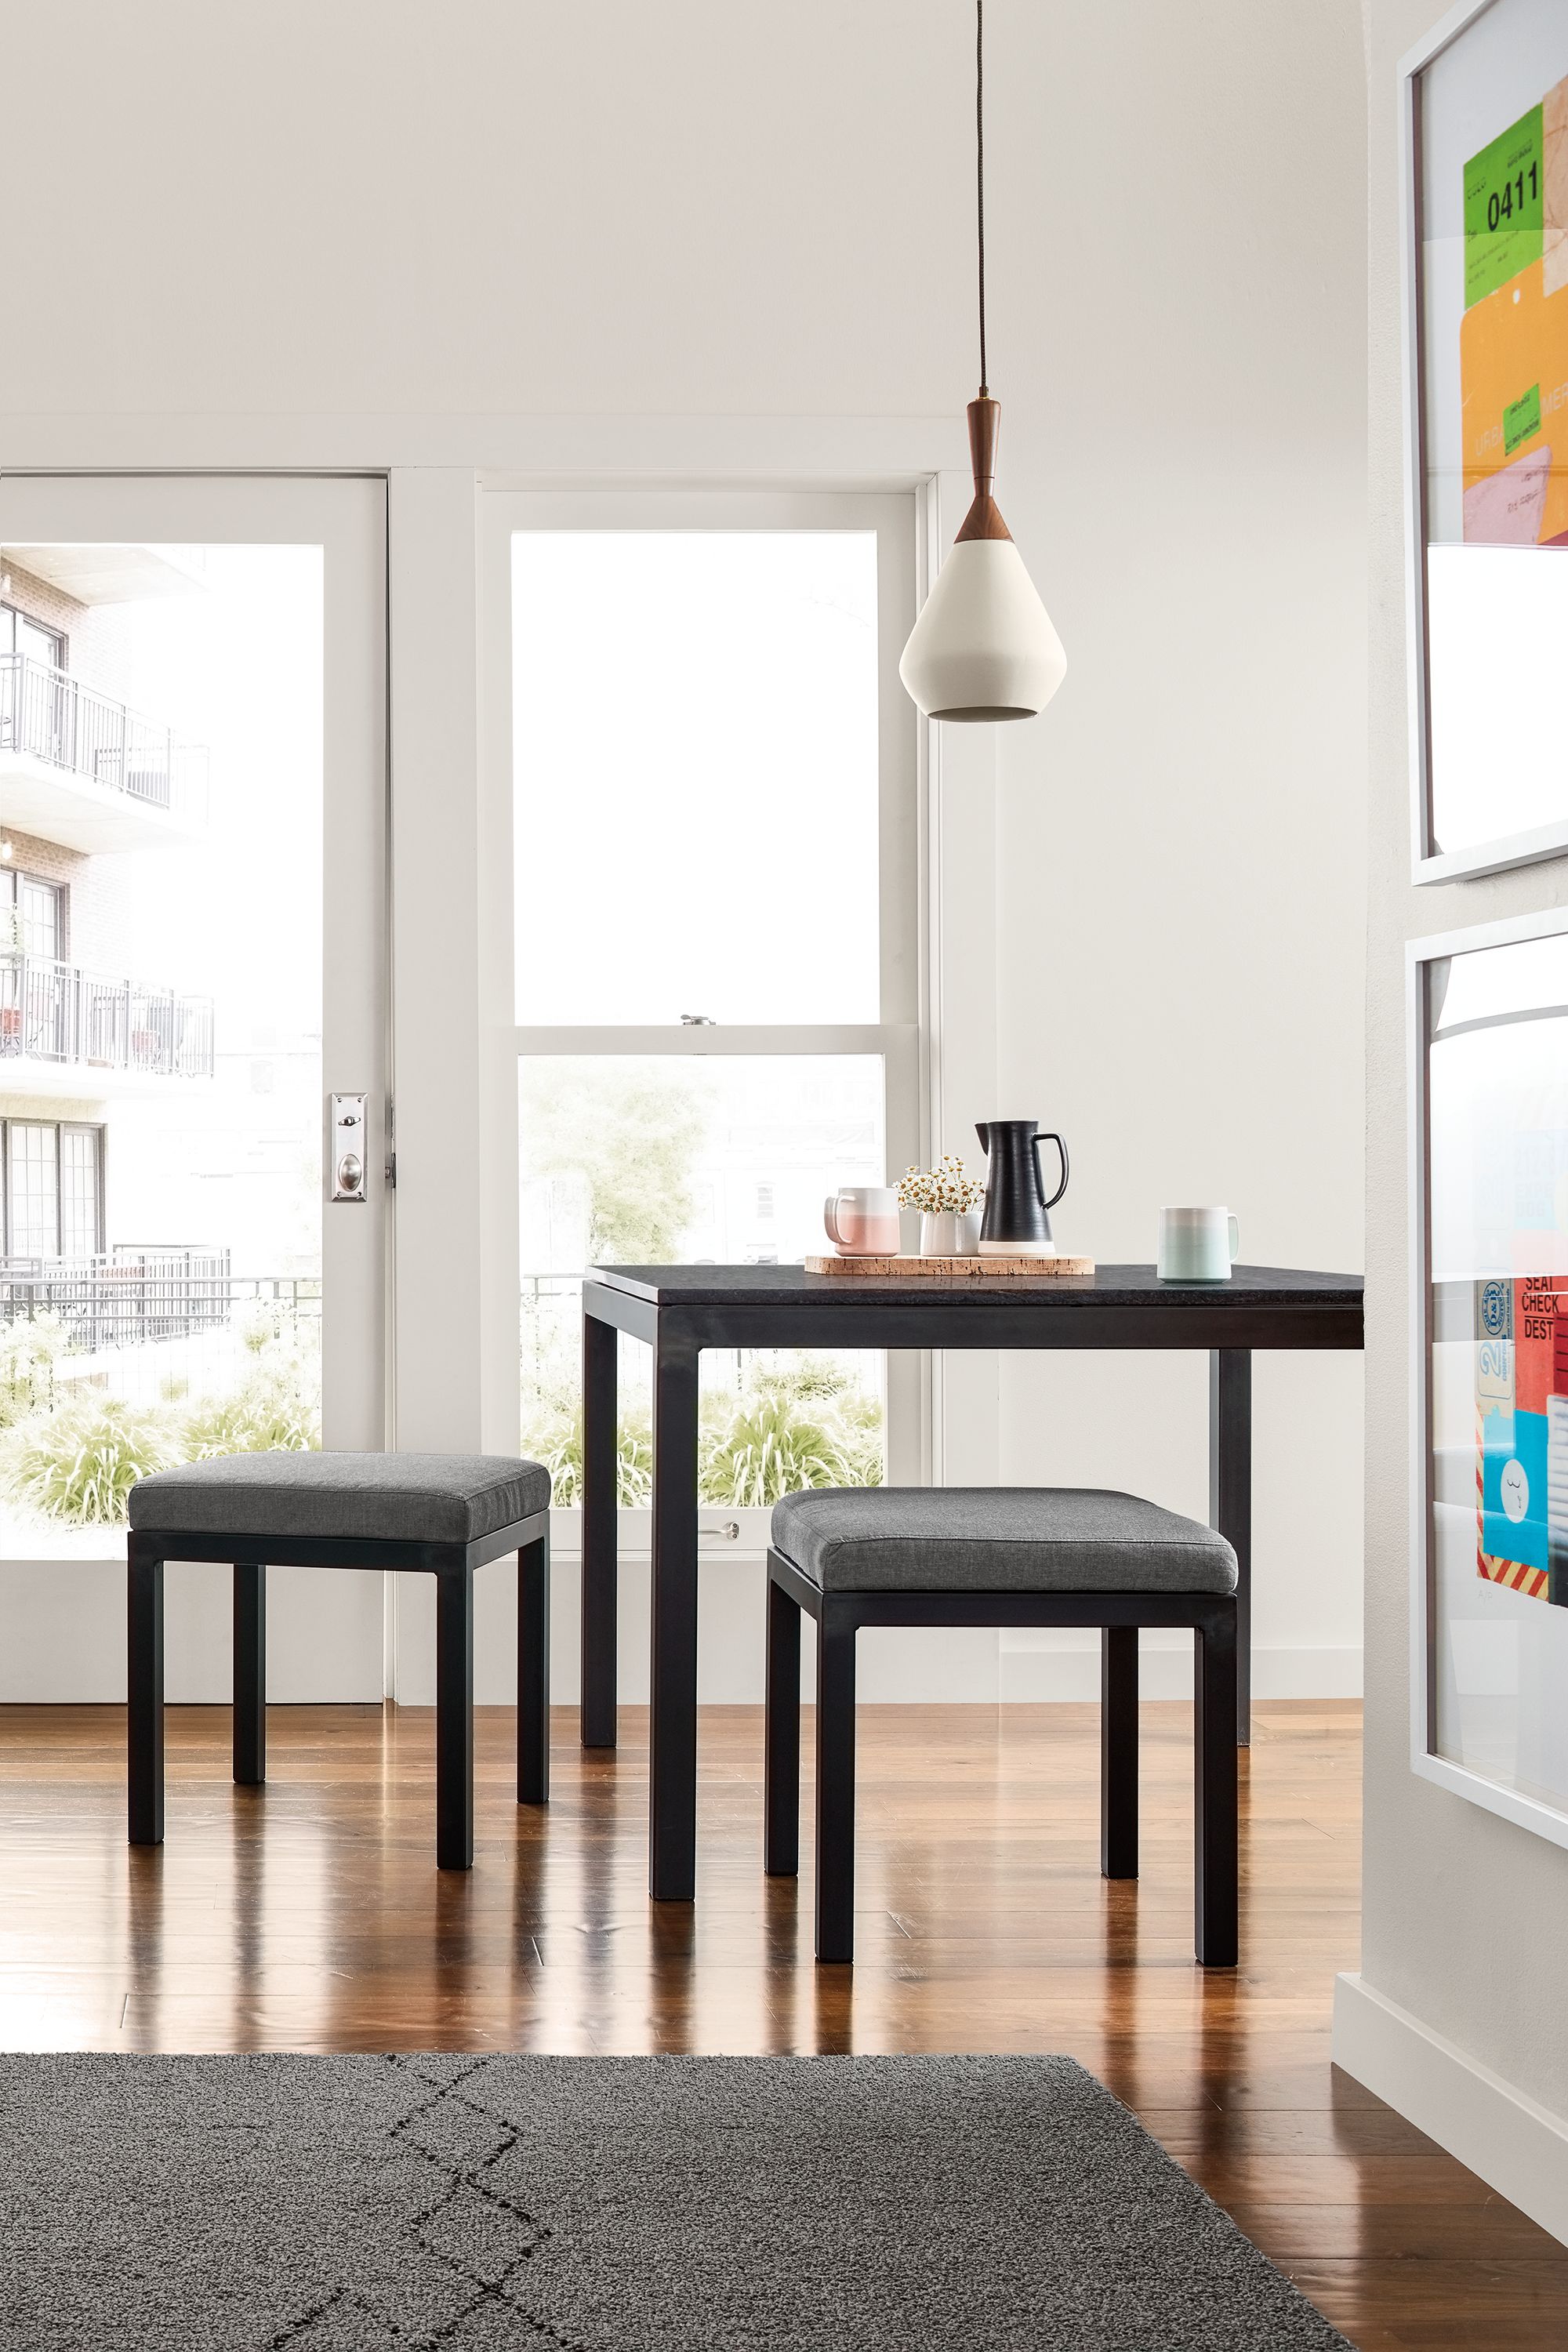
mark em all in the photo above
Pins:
pixel 444 1514
pixel 954 1556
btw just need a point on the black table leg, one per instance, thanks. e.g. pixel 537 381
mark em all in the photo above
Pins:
pixel 249 1675
pixel 533 1673
pixel 601 1439
pixel 672 1799
pixel 1118 1752
pixel 1230 1501
pixel 144 1696
pixel 454 1719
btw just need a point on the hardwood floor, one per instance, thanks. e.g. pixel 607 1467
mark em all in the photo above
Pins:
pixel 310 1916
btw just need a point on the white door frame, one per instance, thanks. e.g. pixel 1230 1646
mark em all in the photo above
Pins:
pixel 333 1644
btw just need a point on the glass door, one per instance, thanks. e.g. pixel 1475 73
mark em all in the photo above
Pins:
pixel 197 960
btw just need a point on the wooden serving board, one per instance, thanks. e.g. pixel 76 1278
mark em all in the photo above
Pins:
pixel 955 1270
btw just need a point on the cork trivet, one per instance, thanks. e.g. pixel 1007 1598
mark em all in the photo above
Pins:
pixel 955 1270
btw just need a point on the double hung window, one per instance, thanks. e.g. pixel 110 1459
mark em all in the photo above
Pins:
pixel 32 914
pixel 53 1187
pixel 715 855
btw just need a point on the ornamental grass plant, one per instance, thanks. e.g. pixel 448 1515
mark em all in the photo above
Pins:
pixel 79 1463
pixel 74 1454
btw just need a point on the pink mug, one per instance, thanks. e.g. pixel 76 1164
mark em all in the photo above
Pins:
pixel 862 1221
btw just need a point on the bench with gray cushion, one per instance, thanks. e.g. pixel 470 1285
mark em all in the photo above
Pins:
pixel 445 1513
pixel 955 1556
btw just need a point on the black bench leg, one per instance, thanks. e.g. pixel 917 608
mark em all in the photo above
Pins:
pixel 454 1719
pixel 144 1696
pixel 781 1798
pixel 835 1785
pixel 533 1673
pixel 1118 1752
pixel 249 1675
pixel 1215 1811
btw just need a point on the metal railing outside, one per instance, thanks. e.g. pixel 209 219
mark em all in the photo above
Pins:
pixel 134 1293
pixel 57 718
pixel 55 1013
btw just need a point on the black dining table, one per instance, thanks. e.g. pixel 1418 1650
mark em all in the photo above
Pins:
pixel 679 1310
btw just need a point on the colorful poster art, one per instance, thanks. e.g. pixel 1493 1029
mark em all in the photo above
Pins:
pixel 1513 337
pixel 1491 1238
pixel 1486 342
pixel 1522 1413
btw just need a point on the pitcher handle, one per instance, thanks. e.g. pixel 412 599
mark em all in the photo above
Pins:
pixel 1039 1179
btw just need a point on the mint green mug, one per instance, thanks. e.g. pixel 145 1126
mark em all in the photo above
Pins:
pixel 1197 1245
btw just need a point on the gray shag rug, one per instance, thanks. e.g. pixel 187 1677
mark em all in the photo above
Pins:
pixel 402 2204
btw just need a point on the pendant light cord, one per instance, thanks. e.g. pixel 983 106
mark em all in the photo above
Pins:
pixel 980 173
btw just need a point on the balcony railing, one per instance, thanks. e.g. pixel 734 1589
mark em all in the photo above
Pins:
pixel 58 718
pixel 123 1298
pixel 140 1292
pixel 52 1012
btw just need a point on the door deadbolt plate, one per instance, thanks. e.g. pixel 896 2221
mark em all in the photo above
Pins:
pixel 348 1161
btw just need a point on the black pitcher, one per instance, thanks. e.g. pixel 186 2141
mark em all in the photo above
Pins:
pixel 1016 1221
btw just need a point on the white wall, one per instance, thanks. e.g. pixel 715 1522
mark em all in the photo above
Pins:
pixel 1465 1916
pixel 1180 854
pixel 404 227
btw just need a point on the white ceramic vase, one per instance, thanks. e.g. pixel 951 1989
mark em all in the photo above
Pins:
pixel 950 1232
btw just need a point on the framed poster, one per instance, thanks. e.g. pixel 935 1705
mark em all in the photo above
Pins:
pixel 1485 115
pixel 1489 1037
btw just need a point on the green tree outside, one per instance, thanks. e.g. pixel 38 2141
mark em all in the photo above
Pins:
pixel 634 1134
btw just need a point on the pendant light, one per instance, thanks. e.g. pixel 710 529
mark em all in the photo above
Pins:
pixel 983 647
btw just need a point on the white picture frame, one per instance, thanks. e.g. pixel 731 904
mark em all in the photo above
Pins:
pixel 1492 60
pixel 1428 1624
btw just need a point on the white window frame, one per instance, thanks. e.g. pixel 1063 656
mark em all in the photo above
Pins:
pixel 897 1034
pixel 1546 1819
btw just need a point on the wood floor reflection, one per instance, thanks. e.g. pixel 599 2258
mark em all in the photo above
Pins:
pixel 308 1916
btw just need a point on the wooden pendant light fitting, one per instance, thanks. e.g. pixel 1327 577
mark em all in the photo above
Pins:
pixel 984 520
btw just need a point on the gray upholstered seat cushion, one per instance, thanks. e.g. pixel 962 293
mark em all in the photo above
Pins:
pixel 406 1498
pixel 998 1540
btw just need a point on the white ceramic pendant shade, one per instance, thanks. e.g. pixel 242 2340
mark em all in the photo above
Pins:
pixel 983 647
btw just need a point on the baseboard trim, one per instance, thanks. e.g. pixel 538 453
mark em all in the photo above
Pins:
pixel 1518 2146
pixel 1166 1671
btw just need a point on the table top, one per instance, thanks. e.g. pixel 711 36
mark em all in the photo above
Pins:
pixel 1110 1286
